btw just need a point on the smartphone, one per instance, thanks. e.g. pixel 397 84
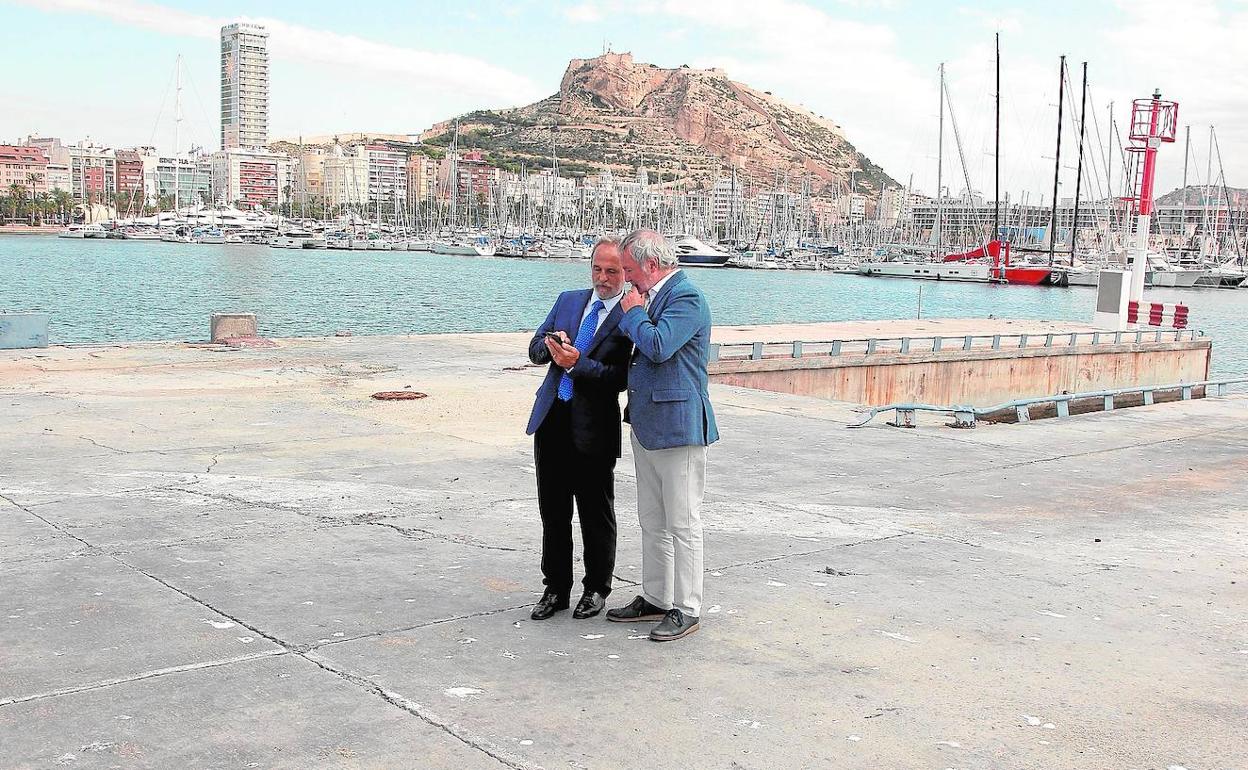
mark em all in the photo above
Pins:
pixel 554 336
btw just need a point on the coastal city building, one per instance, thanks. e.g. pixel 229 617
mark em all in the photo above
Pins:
pixel 24 166
pixel 244 86
pixel 727 199
pixel 891 206
pixel 250 178
pixel 344 177
pixel 58 174
pixel 93 173
pixel 309 182
pixel 59 177
pixel 387 176
pixel 422 179
pixel 474 176
pixel 129 181
pixel 854 207
pixel 187 178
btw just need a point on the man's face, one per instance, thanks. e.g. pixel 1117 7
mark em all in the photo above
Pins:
pixel 606 271
pixel 641 276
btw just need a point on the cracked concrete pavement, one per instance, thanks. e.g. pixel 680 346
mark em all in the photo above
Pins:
pixel 235 558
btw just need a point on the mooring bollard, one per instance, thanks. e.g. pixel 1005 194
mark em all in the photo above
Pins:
pixel 23 330
pixel 230 325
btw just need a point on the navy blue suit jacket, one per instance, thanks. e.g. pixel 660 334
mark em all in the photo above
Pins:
pixel 598 377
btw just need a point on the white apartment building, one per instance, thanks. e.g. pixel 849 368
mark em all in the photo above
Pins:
pixel 344 178
pixel 727 199
pixel 251 178
pixel 244 86
pixel 189 176
pixel 387 176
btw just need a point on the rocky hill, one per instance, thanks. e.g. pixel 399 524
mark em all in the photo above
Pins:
pixel 1196 193
pixel 692 126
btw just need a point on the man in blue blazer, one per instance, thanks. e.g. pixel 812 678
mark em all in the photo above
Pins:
pixel 669 409
pixel 575 426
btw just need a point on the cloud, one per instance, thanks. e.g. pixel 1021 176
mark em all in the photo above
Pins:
pixel 883 90
pixel 584 13
pixel 1195 58
pixel 851 71
pixel 424 69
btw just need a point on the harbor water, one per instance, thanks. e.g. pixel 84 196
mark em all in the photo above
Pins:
pixel 116 291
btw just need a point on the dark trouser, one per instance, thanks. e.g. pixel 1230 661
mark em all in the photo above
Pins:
pixel 564 474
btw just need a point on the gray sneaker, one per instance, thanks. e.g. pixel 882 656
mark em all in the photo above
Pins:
pixel 675 625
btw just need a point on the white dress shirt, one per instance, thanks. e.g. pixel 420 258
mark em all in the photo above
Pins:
pixel 655 289
pixel 607 306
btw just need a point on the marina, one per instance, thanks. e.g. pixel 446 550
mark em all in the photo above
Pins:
pixel 967 490
pixel 111 291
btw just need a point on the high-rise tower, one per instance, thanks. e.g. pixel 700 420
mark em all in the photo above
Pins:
pixel 244 86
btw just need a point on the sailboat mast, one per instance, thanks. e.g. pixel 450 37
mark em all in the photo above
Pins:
pixel 940 164
pixel 1083 113
pixel 1232 231
pixel 1057 159
pixel 177 127
pixel 1109 182
pixel 1187 153
pixel 996 153
pixel 1204 228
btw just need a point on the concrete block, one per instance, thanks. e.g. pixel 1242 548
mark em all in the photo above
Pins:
pixel 23 330
pixel 227 325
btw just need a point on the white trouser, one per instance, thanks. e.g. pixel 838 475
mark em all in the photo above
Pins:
pixel 670 484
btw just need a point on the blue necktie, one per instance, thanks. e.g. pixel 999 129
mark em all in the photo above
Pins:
pixel 584 336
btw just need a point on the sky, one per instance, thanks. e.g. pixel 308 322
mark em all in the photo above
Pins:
pixel 103 70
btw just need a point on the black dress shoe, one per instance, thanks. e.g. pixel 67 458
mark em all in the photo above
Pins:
pixel 675 625
pixel 590 605
pixel 548 605
pixel 637 610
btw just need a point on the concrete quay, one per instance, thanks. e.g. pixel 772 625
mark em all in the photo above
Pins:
pixel 235 558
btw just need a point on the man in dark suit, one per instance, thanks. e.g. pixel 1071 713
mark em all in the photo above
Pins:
pixel 576 432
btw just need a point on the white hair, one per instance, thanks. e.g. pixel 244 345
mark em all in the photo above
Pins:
pixel 642 245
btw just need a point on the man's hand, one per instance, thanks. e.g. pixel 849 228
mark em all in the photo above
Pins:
pixel 632 299
pixel 564 355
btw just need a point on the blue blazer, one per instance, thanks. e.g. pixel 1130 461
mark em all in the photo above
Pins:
pixel 599 376
pixel 668 402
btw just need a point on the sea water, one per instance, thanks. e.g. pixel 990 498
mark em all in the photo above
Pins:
pixel 114 290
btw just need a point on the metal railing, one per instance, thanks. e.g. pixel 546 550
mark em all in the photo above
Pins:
pixel 966 416
pixel 867 346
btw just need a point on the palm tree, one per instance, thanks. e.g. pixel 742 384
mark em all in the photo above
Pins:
pixel 17 194
pixel 64 203
pixel 32 181
pixel 43 206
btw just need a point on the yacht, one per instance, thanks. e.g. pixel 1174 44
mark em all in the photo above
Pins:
pixel 1228 275
pixel 208 235
pixel 757 260
pixel 477 247
pixel 179 234
pixel 338 240
pixel 562 248
pixel 971 272
pixel 83 231
pixel 1167 275
pixel 296 239
pixel 139 234
pixel 693 252
pixel 244 237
